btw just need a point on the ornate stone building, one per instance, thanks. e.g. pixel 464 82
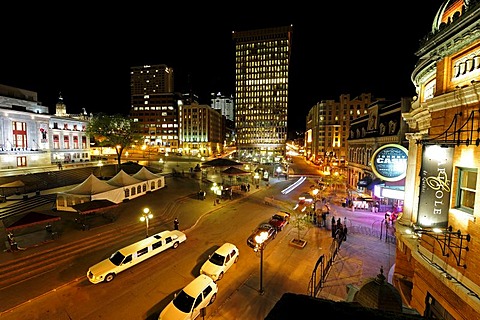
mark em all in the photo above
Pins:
pixel 30 136
pixel 437 258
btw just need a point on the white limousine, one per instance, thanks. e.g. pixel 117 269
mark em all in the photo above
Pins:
pixel 135 253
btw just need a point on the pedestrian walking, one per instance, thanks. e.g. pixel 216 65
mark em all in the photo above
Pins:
pixel 333 227
pixel 175 224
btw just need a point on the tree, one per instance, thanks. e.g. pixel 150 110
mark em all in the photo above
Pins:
pixel 298 219
pixel 115 131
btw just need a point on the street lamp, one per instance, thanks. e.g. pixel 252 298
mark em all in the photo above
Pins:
pixel 215 188
pixel 146 216
pixel 279 171
pixel 256 178
pixel 100 165
pixel 260 246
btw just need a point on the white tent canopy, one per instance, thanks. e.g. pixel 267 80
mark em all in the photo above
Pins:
pixel 119 188
pixel 145 174
pixel 122 179
pixel 92 185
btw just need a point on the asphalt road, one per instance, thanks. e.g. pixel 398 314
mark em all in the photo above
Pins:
pixel 66 282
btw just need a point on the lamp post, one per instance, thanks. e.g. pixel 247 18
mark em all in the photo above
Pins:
pixel 100 165
pixel 260 246
pixel 215 189
pixel 256 178
pixel 146 216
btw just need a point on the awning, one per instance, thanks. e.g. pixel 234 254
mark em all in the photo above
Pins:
pixel 375 182
pixel 364 182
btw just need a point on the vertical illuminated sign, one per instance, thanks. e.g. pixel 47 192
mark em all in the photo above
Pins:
pixel 435 186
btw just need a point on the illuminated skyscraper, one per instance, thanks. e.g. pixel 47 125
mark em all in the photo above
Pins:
pixel 262 59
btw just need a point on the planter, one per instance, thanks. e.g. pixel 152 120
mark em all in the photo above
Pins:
pixel 298 243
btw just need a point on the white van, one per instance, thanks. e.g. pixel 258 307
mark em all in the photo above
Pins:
pixel 135 253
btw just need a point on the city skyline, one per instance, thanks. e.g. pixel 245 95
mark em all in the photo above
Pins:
pixel 87 58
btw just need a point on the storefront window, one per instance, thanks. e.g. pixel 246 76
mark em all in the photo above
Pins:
pixel 467 182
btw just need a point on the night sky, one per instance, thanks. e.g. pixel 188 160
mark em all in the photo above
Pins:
pixel 85 52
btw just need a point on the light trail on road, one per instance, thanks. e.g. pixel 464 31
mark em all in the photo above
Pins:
pixel 294 185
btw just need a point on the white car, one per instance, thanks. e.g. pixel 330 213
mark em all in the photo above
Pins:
pixel 133 254
pixel 188 303
pixel 220 261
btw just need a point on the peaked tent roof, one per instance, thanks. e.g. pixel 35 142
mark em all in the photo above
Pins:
pixel 145 174
pixel 13 184
pixel 232 171
pixel 30 219
pixel 122 179
pixel 91 185
pixel 221 162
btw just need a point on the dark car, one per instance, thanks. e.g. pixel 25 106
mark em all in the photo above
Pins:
pixel 271 233
pixel 279 220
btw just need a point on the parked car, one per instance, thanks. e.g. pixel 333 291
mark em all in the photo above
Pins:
pixel 279 220
pixel 263 227
pixel 220 261
pixel 188 303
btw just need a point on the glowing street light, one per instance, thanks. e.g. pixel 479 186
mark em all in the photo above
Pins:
pixel 100 165
pixel 146 216
pixel 215 189
pixel 260 246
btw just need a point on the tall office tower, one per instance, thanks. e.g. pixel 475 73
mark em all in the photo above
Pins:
pixel 262 59
pixel 156 107
pixel 224 104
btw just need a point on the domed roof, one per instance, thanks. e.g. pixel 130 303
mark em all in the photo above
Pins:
pixel 449 11
pixel 377 293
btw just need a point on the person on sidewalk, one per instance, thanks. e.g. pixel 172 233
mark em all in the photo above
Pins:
pixel 333 227
pixel 175 224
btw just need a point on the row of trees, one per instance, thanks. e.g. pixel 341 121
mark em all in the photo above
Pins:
pixel 115 131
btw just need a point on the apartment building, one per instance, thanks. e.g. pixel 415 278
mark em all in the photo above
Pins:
pixel 327 128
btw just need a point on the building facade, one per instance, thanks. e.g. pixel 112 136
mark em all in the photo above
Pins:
pixel 262 61
pixel 30 136
pixel 327 129
pixel 202 134
pixel 437 258
pixel 226 105
pixel 376 170
pixel 156 108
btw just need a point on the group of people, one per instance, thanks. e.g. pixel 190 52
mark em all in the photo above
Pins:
pixel 245 187
pixel 390 217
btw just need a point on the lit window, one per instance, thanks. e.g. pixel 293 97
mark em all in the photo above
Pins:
pixel 467 182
